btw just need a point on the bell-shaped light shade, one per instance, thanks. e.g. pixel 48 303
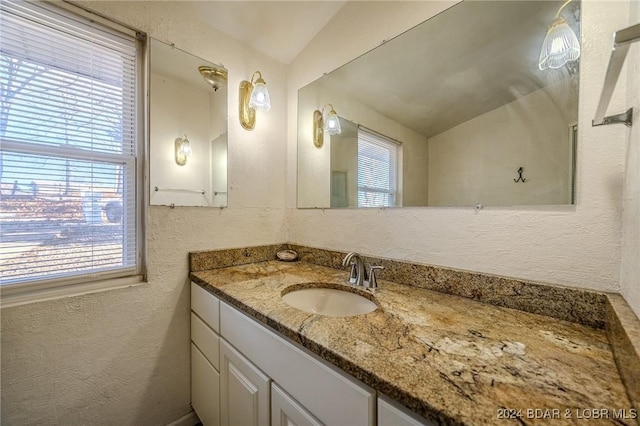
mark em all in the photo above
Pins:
pixel 260 97
pixel 559 47
pixel 332 123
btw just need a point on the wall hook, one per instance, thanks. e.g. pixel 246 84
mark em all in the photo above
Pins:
pixel 520 178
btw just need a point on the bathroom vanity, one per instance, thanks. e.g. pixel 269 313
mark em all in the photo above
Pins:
pixel 256 365
pixel 421 357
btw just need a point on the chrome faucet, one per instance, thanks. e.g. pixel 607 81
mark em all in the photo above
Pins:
pixel 358 275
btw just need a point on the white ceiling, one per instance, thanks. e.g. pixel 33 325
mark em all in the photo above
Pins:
pixel 279 29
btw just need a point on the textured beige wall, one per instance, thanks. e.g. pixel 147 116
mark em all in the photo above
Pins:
pixel 121 357
pixel 575 246
pixel 630 271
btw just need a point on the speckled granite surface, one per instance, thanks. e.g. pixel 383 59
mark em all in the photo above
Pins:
pixel 623 330
pixel 449 358
pixel 212 259
pixel 565 303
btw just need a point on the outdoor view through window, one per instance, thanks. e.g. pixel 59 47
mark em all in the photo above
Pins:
pixel 68 150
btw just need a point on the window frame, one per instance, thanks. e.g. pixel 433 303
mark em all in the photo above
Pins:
pixel 397 194
pixel 17 293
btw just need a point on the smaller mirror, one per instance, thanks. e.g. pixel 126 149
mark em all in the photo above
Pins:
pixel 188 129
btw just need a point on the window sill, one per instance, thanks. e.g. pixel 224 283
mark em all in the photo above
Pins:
pixel 21 296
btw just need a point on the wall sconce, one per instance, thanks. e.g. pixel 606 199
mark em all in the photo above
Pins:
pixel 213 75
pixel 183 150
pixel 560 45
pixel 330 124
pixel 253 97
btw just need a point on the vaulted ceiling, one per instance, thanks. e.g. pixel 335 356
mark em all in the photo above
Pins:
pixel 280 29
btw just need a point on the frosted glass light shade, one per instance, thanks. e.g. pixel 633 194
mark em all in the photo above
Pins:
pixel 560 46
pixel 332 123
pixel 260 97
pixel 186 146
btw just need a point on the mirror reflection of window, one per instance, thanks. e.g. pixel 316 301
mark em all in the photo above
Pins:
pixel 377 170
pixel 365 168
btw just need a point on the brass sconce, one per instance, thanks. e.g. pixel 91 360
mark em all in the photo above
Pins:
pixel 330 124
pixel 182 150
pixel 213 75
pixel 253 97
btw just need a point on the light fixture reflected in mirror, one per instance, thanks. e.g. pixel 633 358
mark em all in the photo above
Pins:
pixel 322 124
pixel 213 75
pixel 182 150
pixel 560 44
pixel 253 97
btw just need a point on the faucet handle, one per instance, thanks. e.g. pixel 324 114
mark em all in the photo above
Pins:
pixel 353 275
pixel 373 281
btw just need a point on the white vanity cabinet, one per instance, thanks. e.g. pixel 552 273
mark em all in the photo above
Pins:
pixel 244 373
pixel 244 390
pixel 329 394
pixel 205 356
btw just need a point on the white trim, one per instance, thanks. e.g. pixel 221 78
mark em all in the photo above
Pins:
pixel 143 135
pixel 27 291
pixel 189 419
pixel 573 132
pixel 39 294
pixel 75 153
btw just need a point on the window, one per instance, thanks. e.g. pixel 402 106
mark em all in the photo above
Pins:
pixel 69 169
pixel 377 170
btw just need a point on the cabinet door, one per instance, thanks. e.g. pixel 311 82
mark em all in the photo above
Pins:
pixel 244 390
pixel 285 411
pixel 205 390
pixel 330 394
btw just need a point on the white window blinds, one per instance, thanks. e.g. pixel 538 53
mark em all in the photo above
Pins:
pixel 377 170
pixel 68 169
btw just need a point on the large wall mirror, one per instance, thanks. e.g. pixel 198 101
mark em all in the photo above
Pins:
pixel 454 112
pixel 188 129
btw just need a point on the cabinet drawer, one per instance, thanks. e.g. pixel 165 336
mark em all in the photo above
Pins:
pixel 206 306
pixel 205 389
pixel 206 340
pixel 327 393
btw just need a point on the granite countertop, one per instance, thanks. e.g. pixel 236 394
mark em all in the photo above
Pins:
pixel 448 358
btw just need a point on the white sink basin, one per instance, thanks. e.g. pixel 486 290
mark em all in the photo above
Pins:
pixel 331 302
